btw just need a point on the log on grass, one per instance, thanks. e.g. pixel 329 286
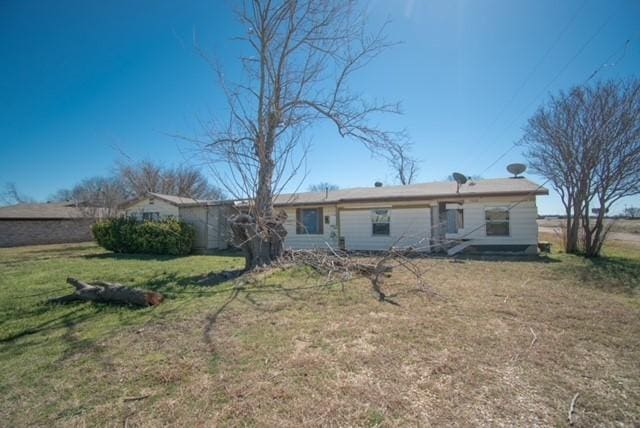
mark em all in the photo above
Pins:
pixel 107 292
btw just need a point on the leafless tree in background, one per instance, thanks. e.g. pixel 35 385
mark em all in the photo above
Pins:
pixel 11 196
pixel 101 196
pixel 140 178
pixel 587 143
pixel 96 196
pixel 402 162
pixel 323 187
pixel 303 55
pixel 632 212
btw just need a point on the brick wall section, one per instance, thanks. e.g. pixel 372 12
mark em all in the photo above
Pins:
pixel 15 233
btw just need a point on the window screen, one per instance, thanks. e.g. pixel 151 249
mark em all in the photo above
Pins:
pixel 497 221
pixel 380 222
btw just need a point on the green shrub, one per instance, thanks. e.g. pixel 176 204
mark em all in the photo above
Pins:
pixel 127 235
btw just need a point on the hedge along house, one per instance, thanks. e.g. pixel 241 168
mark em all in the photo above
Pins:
pixel 485 215
pixel 208 218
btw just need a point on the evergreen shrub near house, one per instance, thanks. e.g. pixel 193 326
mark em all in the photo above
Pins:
pixel 128 235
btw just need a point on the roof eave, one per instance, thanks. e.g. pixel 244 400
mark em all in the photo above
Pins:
pixel 538 192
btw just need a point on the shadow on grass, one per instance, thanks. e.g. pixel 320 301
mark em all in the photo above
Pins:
pixel 174 284
pixel 618 270
pixel 126 256
pixel 161 257
pixel 540 258
pixel 608 272
pixel 74 316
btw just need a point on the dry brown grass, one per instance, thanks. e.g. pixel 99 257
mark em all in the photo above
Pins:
pixel 617 225
pixel 280 354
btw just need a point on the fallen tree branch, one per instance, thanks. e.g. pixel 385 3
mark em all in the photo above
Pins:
pixel 339 266
pixel 141 397
pixel 107 292
pixel 572 408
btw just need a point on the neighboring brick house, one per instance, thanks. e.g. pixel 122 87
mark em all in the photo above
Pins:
pixel 50 223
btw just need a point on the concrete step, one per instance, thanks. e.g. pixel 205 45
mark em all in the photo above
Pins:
pixel 457 248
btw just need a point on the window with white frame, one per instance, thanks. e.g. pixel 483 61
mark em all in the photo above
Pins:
pixel 497 221
pixel 380 222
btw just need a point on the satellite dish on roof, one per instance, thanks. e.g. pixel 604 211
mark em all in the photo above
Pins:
pixel 460 180
pixel 516 169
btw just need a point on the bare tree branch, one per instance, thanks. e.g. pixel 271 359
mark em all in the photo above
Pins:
pixel 303 55
pixel 587 142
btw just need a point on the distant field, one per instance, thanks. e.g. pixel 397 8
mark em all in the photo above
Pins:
pixel 619 226
pixel 506 342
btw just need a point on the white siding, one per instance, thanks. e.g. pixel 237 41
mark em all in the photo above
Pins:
pixel 408 227
pixel 218 230
pixel 523 228
pixel 147 205
pixel 330 235
pixel 196 217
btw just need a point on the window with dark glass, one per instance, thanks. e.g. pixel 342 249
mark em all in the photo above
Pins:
pixel 309 221
pixel 497 221
pixel 151 216
pixel 380 222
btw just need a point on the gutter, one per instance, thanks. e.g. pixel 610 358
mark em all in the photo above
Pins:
pixel 540 192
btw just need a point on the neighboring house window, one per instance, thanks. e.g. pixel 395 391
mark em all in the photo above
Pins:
pixel 380 222
pixel 309 221
pixel 151 216
pixel 455 220
pixel 497 221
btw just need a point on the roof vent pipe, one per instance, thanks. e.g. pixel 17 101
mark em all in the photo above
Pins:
pixel 378 184
pixel 326 192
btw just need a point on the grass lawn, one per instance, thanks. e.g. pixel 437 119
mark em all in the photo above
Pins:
pixel 505 342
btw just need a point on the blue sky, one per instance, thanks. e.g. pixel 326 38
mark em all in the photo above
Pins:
pixel 84 83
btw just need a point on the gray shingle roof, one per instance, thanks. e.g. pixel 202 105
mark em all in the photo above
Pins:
pixel 490 187
pixel 44 211
pixel 177 200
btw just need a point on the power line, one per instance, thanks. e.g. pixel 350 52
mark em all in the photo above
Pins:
pixel 545 89
pixel 533 70
pixel 607 62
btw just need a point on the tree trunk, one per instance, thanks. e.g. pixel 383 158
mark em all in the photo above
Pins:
pixel 261 239
pixel 598 233
pixel 106 292
pixel 571 233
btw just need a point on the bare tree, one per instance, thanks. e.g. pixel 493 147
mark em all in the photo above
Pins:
pixel 140 178
pixel 401 162
pixel 61 195
pixel 587 143
pixel 632 212
pixel 323 187
pixel 11 196
pixel 95 196
pixel 303 54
